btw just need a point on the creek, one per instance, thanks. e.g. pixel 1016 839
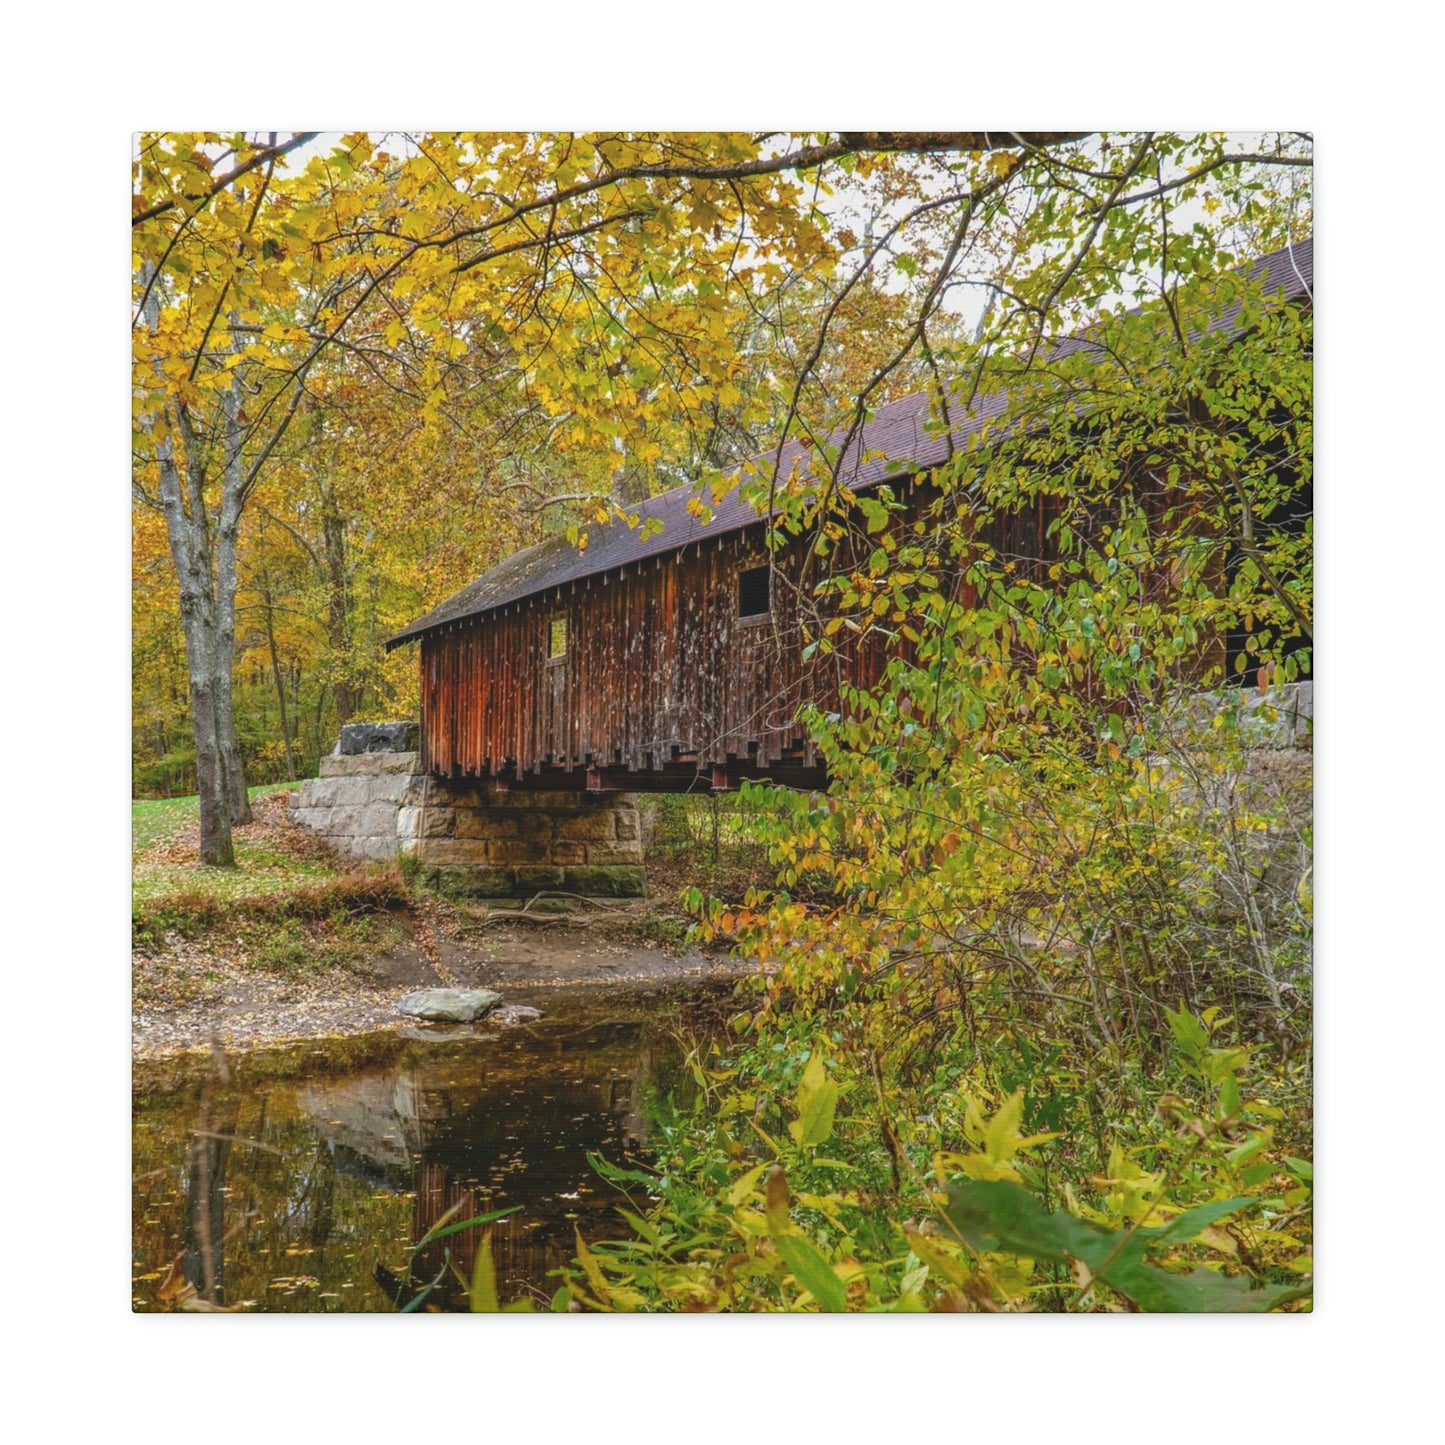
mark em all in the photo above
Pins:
pixel 300 1180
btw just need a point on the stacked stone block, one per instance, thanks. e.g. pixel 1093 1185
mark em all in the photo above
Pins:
pixel 375 804
pixel 478 840
pixel 1279 718
pixel 1266 770
pixel 355 801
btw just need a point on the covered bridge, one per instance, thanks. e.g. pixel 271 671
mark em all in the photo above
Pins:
pixel 672 658
pixel 666 659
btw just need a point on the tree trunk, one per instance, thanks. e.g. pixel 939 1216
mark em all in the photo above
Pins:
pixel 276 676
pixel 217 847
pixel 181 499
pixel 206 662
pixel 227 534
pixel 338 608
pixel 316 726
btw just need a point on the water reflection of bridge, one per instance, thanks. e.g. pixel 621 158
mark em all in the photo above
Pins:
pixel 474 1126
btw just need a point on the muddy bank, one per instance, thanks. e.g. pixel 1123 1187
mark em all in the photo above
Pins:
pixel 231 1005
pixel 566 1011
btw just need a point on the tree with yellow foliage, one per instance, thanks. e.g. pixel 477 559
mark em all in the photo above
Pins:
pixel 589 284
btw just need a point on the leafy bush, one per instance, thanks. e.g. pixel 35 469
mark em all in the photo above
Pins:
pixel 819 1193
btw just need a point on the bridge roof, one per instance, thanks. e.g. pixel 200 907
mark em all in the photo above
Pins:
pixel 896 441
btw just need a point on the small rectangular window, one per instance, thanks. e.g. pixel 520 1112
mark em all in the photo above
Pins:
pixel 556 638
pixel 753 598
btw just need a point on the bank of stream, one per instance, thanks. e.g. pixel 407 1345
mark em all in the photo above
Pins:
pixel 300 1178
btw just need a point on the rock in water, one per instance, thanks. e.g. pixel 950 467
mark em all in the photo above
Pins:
pixel 512 1014
pixel 449 1005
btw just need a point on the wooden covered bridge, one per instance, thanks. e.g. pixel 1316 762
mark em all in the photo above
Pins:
pixel 671 653
pixel 671 657
pixel 655 660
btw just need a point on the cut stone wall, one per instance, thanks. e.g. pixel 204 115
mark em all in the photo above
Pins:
pixel 1275 719
pixel 468 837
pixel 355 802
pixel 474 839
pixel 1264 871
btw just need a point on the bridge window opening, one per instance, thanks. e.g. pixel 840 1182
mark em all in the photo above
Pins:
pixel 753 596
pixel 556 639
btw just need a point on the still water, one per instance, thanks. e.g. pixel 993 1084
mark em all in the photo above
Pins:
pixel 300 1181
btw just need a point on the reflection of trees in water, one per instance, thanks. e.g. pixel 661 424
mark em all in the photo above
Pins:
pixel 266 1204
pixel 204 1254
pixel 287 1194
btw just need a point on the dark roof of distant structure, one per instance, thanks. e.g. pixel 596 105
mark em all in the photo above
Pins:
pixel 896 440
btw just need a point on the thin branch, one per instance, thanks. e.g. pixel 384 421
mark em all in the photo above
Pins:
pixel 1164 187
pixel 267 153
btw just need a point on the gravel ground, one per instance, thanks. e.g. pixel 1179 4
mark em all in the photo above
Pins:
pixel 196 997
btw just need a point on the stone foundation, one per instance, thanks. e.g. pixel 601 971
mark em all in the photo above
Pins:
pixel 468 837
pixel 1264 772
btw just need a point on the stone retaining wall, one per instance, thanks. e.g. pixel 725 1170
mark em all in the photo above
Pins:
pixel 469 837
pixel 1276 719
pixel 1263 871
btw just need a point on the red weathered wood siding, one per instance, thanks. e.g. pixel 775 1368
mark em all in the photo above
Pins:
pixel 659 668
pixel 660 673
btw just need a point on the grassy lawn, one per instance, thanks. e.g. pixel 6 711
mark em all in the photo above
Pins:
pixel 261 866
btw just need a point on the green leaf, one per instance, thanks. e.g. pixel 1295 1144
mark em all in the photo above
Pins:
pixel 1194 1222
pixel 484 1280
pixel 441 1233
pixel 1001 1137
pixel 813 1272
pixel 1191 1035
pixel 616 1173
pixel 997 1215
pixel 416 1301
pixel 640 1226
pixel 593 1270
pixel 744 1185
pixel 817 1101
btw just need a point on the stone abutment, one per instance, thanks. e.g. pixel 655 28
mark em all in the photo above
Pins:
pixel 372 801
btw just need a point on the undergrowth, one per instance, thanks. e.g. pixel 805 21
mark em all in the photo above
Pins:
pixel 279 923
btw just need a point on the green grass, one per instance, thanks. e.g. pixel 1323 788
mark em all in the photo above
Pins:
pixel 156 819
pixel 260 869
